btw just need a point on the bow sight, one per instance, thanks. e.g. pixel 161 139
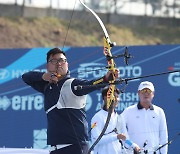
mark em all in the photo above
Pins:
pixel 126 56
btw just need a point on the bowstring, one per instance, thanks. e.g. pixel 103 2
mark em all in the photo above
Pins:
pixel 58 86
pixel 69 25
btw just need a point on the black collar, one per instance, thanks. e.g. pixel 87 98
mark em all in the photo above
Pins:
pixel 68 74
pixel 104 108
pixel 139 106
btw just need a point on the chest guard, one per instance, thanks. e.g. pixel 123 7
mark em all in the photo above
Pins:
pixel 67 99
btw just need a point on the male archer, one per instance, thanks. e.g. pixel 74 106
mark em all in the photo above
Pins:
pixel 64 103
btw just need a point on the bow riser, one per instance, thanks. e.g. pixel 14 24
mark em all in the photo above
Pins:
pixel 111 67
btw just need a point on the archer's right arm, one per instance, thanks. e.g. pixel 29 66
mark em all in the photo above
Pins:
pixel 35 80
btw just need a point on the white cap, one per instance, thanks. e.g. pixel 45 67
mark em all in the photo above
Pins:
pixel 146 84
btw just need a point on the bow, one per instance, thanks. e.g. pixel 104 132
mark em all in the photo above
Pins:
pixel 111 67
pixel 110 92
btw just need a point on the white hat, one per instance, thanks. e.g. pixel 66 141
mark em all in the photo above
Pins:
pixel 146 84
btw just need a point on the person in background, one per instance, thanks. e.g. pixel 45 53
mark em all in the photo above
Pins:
pixel 146 122
pixel 111 142
pixel 64 103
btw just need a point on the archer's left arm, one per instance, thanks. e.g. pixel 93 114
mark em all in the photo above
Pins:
pixel 83 87
pixel 87 84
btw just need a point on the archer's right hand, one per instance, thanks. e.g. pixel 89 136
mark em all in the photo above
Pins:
pixel 121 136
pixel 50 77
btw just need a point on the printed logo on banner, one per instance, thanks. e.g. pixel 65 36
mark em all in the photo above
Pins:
pixel 174 78
pixel 15 73
pixel 22 103
pixel 96 70
pixel 130 71
pixel 126 100
pixel 4 103
pixel 4 74
pixel 40 139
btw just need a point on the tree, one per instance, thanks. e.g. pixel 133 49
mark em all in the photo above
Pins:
pixel 15 2
pixel 95 4
pixel 50 4
pixel 114 5
pixel 155 4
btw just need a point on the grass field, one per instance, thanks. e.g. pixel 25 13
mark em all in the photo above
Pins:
pixel 48 32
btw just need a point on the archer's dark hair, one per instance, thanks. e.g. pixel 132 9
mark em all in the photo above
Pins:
pixel 105 90
pixel 104 93
pixel 53 52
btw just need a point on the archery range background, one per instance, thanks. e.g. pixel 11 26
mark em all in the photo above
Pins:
pixel 22 117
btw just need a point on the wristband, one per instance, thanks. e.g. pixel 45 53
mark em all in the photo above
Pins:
pixel 128 142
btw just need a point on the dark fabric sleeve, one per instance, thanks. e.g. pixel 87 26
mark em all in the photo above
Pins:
pixel 83 86
pixel 34 79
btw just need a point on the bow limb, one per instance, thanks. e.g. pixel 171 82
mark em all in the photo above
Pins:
pixel 100 22
pixel 111 67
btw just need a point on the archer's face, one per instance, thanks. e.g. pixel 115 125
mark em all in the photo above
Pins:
pixel 57 64
pixel 117 99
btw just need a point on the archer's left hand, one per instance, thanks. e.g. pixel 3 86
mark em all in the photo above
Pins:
pixel 112 75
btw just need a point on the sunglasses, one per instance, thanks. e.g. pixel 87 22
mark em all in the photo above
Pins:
pixel 146 91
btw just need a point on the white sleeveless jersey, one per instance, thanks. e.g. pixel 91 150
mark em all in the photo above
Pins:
pixel 67 99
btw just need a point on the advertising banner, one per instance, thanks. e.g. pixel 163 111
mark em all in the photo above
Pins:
pixel 22 117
